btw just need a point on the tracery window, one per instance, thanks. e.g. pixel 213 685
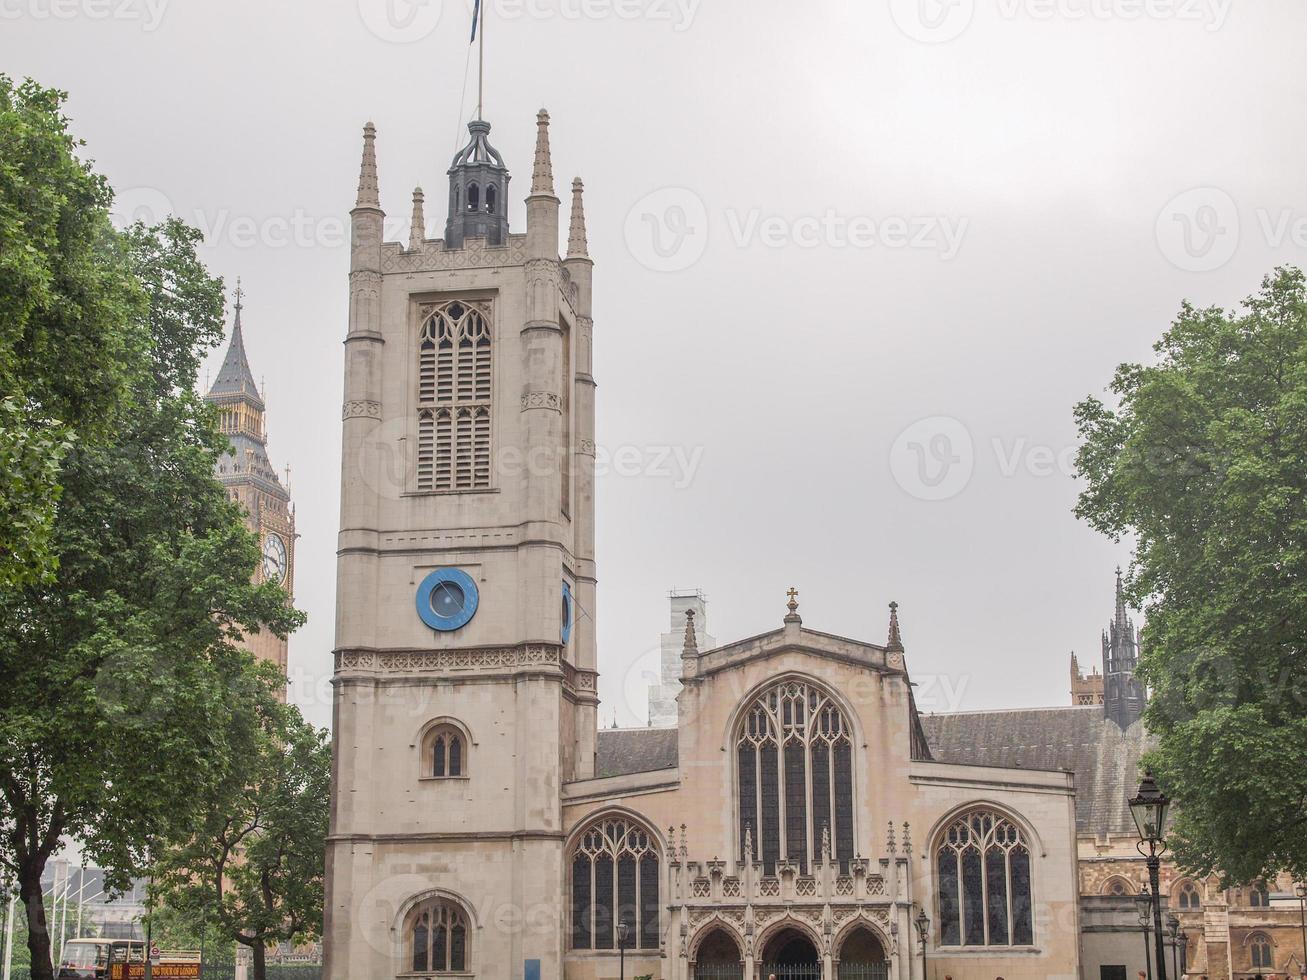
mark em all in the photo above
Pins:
pixel 454 398
pixel 983 868
pixel 447 754
pixel 438 938
pixel 1263 952
pixel 1187 897
pixel 794 754
pixel 614 880
pixel 1259 896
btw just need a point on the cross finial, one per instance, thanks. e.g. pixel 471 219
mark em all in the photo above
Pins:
pixel 240 293
pixel 793 606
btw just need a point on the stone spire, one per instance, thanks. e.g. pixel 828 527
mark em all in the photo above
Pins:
pixel 542 173
pixel 417 231
pixel 235 376
pixel 691 647
pixel 895 642
pixel 369 196
pixel 1124 694
pixel 577 245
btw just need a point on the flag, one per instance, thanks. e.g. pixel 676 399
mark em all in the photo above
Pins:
pixel 476 20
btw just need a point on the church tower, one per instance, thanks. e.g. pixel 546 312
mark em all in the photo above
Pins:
pixel 1124 695
pixel 248 475
pixel 465 684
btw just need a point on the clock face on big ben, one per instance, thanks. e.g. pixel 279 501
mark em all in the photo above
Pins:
pixel 274 558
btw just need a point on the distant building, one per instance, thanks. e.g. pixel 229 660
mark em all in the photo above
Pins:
pixel 247 473
pixel 662 697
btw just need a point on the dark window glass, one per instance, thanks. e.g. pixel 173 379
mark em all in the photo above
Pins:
pixel 421 943
pixel 973 903
pixel 626 906
pixel 843 802
pixel 581 902
pixel 455 756
pixel 821 802
pixel 771 808
pixel 458 947
pixel 439 769
pixel 748 763
pixel 603 902
pixel 1112 973
pixel 950 928
pixel 996 888
pixel 440 948
pixel 649 902
pixel 1023 927
pixel 796 805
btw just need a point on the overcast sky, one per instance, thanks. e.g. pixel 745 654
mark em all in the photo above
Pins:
pixel 855 263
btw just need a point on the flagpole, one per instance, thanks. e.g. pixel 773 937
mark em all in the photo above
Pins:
pixel 481 72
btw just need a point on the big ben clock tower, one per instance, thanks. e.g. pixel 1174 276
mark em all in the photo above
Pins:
pixel 248 475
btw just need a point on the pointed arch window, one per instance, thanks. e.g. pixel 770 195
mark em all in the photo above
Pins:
pixel 438 938
pixel 473 197
pixel 982 864
pixel 794 758
pixel 615 879
pixel 1187 897
pixel 492 199
pixel 454 398
pixel 1263 953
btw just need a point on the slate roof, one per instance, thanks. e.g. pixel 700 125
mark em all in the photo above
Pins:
pixel 622 751
pixel 1083 740
pixel 235 376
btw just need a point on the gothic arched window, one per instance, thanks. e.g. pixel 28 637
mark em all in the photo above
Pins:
pixel 454 398
pixel 1263 952
pixel 438 938
pixel 615 880
pixel 983 867
pixel 473 197
pixel 1187 897
pixel 446 753
pixel 1259 896
pixel 794 753
pixel 492 199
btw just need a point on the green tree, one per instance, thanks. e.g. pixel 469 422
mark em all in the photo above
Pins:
pixel 254 869
pixel 66 290
pixel 1203 463
pixel 120 661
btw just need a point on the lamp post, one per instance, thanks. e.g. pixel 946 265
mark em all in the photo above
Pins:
pixel 1300 890
pixel 623 933
pixel 1144 905
pixel 1149 812
pixel 923 932
pixel 1173 927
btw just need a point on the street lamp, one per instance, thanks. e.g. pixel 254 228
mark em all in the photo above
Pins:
pixel 1300 890
pixel 1144 905
pixel 1173 925
pixel 623 933
pixel 923 931
pixel 1149 812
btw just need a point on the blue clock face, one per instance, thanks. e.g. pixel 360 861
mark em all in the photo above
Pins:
pixel 447 599
pixel 569 614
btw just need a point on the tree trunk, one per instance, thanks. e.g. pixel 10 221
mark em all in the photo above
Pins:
pixel 260 962
pixel 38 934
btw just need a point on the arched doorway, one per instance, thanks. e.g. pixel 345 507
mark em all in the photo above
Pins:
pixel 790 955
pixel 862 957
pixel 718 958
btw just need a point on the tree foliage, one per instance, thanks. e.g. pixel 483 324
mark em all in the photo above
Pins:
pixel 255 867
pixel 1204 464
pixel 120 660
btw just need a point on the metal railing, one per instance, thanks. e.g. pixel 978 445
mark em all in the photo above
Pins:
pixel 792 971
pixel 864 971
pixel 719 971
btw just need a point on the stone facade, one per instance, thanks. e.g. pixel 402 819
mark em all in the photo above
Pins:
pixel 481 824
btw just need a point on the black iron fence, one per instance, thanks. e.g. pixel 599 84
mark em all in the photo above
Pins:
pixel 719 971
pixel 792 971
pixel 864 971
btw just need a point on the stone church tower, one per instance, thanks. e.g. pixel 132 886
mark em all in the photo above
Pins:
pixel 465 635
pixel 248 475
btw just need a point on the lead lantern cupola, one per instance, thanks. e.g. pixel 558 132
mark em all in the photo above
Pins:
pixel 478 191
